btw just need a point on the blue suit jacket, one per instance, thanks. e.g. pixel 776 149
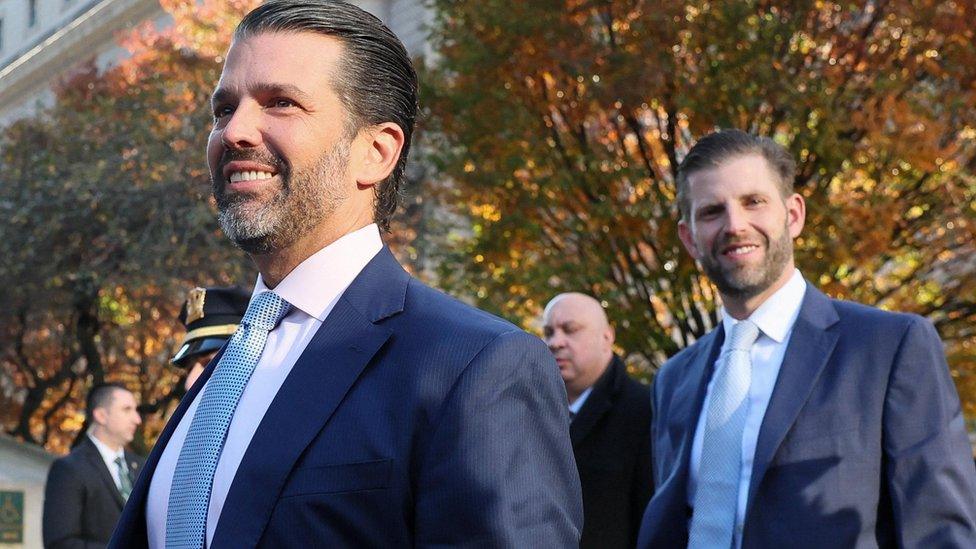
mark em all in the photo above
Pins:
pixel 863 443
pixel 411 419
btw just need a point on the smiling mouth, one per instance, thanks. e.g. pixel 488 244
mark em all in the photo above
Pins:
pixel 237 177
pixel 740 250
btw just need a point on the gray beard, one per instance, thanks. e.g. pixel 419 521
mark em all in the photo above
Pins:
pixel 305 198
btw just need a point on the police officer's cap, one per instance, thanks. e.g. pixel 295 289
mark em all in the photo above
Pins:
pixel 210 315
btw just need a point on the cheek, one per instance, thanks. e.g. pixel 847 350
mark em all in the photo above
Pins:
pixel 703 240
pixel 214 150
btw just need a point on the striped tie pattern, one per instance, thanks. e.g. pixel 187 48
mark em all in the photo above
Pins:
pixel 717 493
pixel 125 484
pixel 189 497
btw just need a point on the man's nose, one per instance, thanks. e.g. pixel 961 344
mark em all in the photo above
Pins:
pixel 242 129
pixel 736 220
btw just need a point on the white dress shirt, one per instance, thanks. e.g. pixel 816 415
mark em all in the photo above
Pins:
pixel 312 288
pixel 577 404
pixel 775 319
pixel 109 456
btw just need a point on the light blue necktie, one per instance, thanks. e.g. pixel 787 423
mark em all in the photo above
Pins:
pixel 189 496
pixel 717 493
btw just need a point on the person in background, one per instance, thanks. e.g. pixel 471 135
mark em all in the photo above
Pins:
pixel 801 420
pixel 611 419
pixel 210 315
pixel 87 489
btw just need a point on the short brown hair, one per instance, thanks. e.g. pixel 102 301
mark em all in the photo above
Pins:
pixel 715 148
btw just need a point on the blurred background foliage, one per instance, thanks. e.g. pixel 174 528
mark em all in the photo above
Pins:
pixel 549 143
pixel 557 126
pixel 105 224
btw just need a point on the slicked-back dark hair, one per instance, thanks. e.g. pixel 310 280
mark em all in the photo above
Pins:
pixel 715 148
pixel 375 80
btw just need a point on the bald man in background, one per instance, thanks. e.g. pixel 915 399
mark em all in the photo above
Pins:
pixel 611 418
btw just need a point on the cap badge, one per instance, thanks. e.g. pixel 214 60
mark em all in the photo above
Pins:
pixel 194 304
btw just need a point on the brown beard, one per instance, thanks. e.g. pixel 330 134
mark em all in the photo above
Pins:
pixel 746 282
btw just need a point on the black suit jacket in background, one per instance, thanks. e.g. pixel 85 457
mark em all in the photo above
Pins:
pixel 81 501
pixel 611 442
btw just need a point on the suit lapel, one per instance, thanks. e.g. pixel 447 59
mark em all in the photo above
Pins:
pixel 809 348
pixel 670 502
pixel 140 487
pixel 131 529
pixel 94 458
pixel 596 405
pixel 683 411
pixel 333 361
pixel 133 467
pixel 686 406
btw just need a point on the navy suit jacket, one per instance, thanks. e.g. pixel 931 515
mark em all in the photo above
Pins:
pixel 862 445
pixel 410 419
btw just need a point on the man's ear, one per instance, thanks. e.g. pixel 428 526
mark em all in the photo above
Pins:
pixel 98 416
pixel 684 233
pixel 376 152
pixel 796 214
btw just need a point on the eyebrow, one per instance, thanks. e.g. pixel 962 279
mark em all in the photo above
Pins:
pixel 221 95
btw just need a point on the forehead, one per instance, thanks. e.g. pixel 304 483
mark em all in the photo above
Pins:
pixel 305 59
pixel 123 397
pixel 569 309
pixel 735 176
pixel 118 397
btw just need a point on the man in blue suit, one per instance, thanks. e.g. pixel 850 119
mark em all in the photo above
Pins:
pixel 801 421
pixel 354 407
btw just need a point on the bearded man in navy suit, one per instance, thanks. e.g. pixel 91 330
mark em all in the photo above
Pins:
pixel 801 421
pixel 377 412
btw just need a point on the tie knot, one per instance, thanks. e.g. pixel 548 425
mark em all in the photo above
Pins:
pixel 119 461
pixel 266 311
pixel 744 334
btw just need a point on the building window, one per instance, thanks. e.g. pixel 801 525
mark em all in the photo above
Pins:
pixel 31 13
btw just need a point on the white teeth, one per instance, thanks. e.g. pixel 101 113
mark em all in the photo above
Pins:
pixel 742 250
pixel 249 176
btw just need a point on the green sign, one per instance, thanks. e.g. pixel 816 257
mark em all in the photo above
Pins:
pixel 11 517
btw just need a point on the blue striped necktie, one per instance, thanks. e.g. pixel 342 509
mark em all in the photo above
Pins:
pixel 717 493
pixel 189 496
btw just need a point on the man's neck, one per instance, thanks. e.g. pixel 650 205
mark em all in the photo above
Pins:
pixel 276 265
pixel 742 308
pixel 573 393
pixel 109 443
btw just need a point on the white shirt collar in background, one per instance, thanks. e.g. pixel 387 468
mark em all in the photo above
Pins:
pixel 109 456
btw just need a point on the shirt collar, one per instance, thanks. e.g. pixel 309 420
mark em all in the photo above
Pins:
pixel 318 281
pixel 108 455
pixel 776 316
pixel 580 400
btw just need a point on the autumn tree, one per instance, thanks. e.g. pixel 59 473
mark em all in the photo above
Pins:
pixel 105 224
pixel 558 127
